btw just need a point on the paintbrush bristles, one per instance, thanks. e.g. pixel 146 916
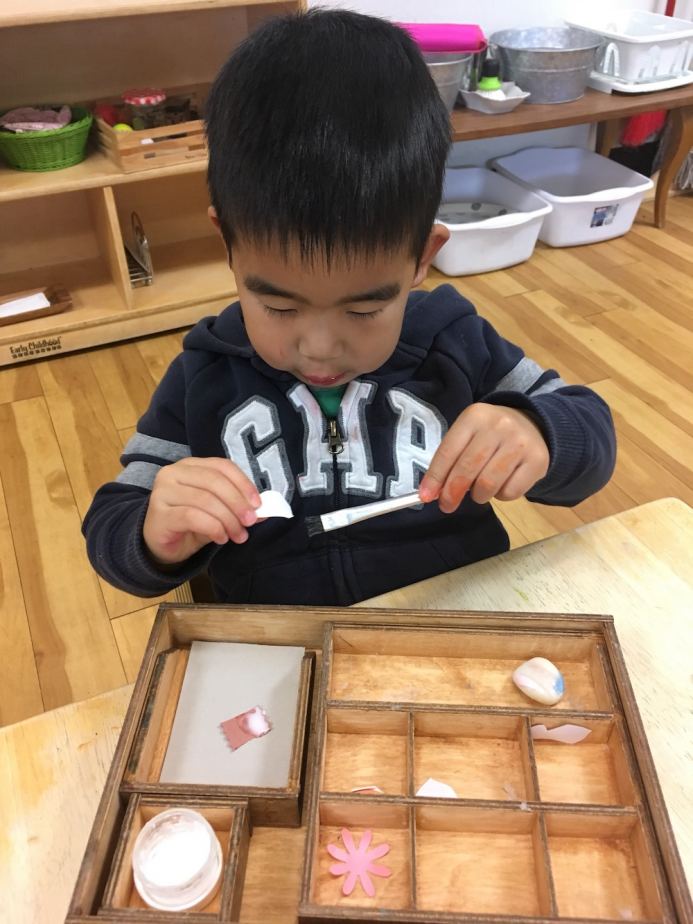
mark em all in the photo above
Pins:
pixel 314 526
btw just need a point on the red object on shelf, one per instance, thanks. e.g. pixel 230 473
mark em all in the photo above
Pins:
pixel 441 36
pixel 109 113
pixel 639 127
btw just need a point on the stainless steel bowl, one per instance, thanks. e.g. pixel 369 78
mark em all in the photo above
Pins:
pixel 553 64
pixel 451 71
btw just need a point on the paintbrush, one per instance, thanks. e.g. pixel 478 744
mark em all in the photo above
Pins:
pixel 341 518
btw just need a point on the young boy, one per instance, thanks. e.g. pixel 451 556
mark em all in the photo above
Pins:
pixel 329 381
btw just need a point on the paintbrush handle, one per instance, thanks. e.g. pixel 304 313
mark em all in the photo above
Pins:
pixel 339 518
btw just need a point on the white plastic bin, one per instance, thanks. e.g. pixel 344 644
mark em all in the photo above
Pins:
pixel 640 47
pixel 506 236
pixel 593 198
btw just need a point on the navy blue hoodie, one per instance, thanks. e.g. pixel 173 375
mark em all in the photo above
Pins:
pixel 218 398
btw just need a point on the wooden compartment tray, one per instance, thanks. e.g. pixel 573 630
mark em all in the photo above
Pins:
pixel 58 297
pixel 537 832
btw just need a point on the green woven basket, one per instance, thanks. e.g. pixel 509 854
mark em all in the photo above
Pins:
pixel 48 150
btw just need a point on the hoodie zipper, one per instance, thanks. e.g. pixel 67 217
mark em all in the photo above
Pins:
pixel 334 437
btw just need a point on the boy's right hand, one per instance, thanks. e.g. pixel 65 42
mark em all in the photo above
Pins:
pixel 197 501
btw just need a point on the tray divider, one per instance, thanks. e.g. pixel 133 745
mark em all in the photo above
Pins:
pixel 113 886
pixel 545 883
pixel 168 716
pixel 412 856
pixel 238 847
pixel 411 757
pixel 297 764
pixel 530 761
pixel 602 677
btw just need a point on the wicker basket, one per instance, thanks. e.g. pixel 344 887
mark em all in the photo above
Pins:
pixel 48 150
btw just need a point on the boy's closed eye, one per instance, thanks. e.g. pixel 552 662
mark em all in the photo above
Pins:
pixel 276 312
pixel 291 312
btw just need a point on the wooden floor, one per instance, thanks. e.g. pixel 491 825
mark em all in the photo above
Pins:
pixel 617 316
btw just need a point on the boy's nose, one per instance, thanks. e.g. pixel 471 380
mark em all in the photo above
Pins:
pixel 320 345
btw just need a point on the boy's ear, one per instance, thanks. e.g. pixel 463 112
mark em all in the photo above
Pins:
pixel 439 235
pixel 212 213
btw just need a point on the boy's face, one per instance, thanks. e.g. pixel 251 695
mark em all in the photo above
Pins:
pixel 326 326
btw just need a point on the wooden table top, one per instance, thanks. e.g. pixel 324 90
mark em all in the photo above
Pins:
pixel 636 565
pixel 594 106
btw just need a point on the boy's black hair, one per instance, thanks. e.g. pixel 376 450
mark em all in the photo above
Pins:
pixel 325 129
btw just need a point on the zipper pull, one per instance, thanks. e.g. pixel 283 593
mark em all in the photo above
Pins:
pixel 334 440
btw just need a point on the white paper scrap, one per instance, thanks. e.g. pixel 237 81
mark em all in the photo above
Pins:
pixel 565 734
pixel 26 303
pixel 273 505
pixel 223 679
pixel 436 790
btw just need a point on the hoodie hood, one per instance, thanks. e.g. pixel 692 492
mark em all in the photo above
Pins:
pixel 425 316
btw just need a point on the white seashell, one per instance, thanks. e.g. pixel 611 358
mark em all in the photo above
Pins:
pixel 273 505
pixel 541 680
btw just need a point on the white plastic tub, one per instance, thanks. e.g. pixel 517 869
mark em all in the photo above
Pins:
pixel 507 227
pixel 593 198
pixel 640 47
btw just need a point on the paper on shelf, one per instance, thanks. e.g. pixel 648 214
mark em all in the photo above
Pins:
pixel 436 790
pixel 24 304
pixel 223 679
pixel 566 734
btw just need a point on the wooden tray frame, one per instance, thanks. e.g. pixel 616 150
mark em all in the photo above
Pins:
pixel 58 297
pixel 177 625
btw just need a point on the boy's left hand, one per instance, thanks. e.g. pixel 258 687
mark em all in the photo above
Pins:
pixel 489 451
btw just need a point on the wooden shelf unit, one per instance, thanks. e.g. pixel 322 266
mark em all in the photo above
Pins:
pixel 92 50
pixel 68 227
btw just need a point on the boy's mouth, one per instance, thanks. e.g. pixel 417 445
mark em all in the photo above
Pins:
pixel 323 381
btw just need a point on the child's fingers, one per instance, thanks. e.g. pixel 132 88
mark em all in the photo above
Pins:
pixel 444 459
pixel 210 481
pixel 467 469
pixel 519 483
pixel 202 523
pixel 495 474
pixel 207 502
pixel 233 473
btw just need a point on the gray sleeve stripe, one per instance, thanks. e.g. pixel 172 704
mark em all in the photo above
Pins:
pixel 549 386
pixel 142 445
pixel 140 474
pixel 522 376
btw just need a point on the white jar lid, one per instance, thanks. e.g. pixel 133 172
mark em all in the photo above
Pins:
pixel 177 861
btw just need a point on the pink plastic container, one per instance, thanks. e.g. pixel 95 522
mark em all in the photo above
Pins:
pixel 441 36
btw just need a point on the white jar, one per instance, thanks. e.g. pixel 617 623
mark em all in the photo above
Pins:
pixel 177 861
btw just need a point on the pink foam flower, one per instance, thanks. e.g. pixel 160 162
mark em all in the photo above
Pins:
pixel 357 862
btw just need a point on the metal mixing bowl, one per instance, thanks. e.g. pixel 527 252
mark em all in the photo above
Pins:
pixel 553 64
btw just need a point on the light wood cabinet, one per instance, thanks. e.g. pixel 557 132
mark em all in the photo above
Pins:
pixel 67 227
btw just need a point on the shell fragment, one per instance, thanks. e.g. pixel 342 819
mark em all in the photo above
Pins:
pixel 541 680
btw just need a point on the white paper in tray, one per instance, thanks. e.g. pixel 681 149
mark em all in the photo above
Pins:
pixel 23 304
pixel 223 679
